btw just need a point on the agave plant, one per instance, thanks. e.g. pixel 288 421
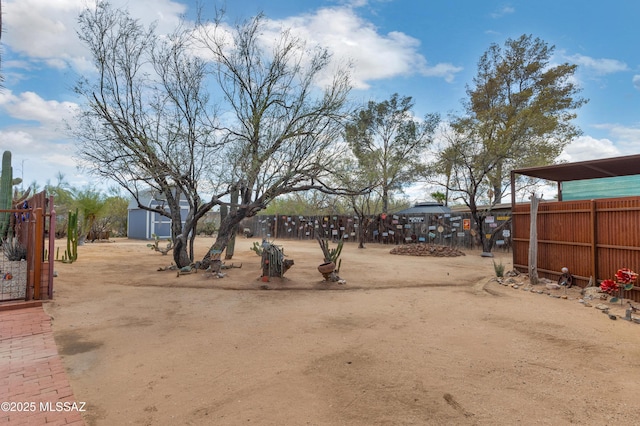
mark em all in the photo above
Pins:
pixel 14 250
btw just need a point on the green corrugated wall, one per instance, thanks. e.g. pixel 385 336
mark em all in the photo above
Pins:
pixel 620 186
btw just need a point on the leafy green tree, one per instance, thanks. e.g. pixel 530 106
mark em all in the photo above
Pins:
pixel 305 203
pixel 355 174
pixel 113 217
pixel 518 114
pixel 520 108
pixel 440 197
pixel 63 200
pixel 90 203
pixel 389 141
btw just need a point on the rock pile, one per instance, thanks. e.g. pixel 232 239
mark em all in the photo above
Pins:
pixel 426 250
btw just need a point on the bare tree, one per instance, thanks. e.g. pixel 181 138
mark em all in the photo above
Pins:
pixel 146 122
pixel 282 129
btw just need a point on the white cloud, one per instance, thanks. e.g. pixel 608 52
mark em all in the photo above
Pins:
pixel 356 3
pixel 636 81
pixel 589 148
pixel 352 39
pixel 601 66
pixel 29 106
pixel 45 30
pixel 506 10
pixel 36 156
pixel 37 139
pixel 627 138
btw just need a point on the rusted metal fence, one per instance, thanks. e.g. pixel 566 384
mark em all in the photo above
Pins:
pixel 30 278
pixel 593 238
pixel 449 229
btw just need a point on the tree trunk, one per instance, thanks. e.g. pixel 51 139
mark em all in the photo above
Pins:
pixel 180 254
pixel 497 185
pixel 179 238
pixel 362 225
pixel 487 243
pixel 227 225
pixel 385 200
pixel 232 240
pixel 192 238
pixel 362 230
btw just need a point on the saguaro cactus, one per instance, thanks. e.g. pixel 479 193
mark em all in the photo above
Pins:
pixel 71 255
pixel 6 194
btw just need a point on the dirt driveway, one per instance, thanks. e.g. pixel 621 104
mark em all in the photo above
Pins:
pixel 406 341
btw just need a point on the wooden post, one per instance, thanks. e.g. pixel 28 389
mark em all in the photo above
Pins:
pixel 52 246
pixel 533 240
pixel 38 252
pixel 594 242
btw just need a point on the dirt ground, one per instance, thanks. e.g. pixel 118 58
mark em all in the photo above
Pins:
pixel 406 341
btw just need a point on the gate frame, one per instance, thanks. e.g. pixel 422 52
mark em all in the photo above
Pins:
pixel 39 282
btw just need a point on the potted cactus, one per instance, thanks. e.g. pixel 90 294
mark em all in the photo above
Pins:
pixel 332 262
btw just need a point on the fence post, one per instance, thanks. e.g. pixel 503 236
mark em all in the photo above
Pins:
pixel 38 254
pixel 594 242
pixel 533 239
pixel 52 245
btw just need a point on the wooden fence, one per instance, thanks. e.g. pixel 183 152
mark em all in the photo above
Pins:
pixel 593 238
pixel 31 278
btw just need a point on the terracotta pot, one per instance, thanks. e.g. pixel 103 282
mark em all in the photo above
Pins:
pixel 327 268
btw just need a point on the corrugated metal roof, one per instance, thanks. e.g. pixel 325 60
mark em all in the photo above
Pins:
pixel 601 168
pixel 581 170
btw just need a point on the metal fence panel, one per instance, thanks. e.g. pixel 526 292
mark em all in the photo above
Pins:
pixel 450 229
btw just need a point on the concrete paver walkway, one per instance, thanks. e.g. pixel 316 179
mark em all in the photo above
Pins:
pixel 34 388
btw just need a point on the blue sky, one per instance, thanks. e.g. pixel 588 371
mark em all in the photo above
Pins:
pixel 424 49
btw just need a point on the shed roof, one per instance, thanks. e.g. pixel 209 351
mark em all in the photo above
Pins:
pixel 592 169
pixel 581 170
pixel 427 207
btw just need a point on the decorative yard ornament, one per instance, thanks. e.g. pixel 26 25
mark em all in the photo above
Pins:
pixel 566 279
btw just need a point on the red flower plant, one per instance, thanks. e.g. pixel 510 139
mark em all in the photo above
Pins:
pixel 609 286
pixel 626 276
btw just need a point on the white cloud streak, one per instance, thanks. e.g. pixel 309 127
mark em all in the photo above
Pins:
pixel 506 10
pixel 601 66
pixel 45 30
pixel 374 56
pixel 588 148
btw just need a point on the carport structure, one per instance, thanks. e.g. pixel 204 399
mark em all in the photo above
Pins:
pixel 582 170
